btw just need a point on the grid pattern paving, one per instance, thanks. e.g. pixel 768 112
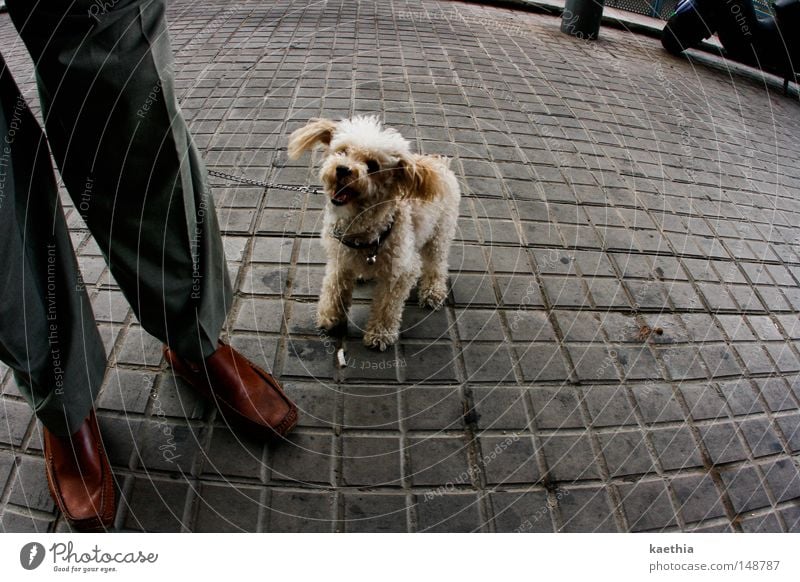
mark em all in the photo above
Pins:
pixel 619 349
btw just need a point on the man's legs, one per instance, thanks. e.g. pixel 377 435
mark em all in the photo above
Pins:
pixel 124 151
pixel 105 79
pixel 47 331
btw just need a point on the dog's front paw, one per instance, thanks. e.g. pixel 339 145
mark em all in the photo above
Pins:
pixel 380 339
pixel 433 296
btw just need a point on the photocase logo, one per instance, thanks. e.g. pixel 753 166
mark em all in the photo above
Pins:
pixel 31 555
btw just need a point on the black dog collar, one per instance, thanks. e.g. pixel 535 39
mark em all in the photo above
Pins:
pixel 372 246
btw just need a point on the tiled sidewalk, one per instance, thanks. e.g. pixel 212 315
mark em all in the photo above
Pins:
pixel 619 351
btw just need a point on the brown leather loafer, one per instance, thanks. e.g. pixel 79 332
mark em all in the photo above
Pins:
pixel 245 394
pixel 79 477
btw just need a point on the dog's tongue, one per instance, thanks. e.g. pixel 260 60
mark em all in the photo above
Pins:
pixel 343 196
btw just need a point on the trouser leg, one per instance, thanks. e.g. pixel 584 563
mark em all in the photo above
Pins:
pixel 105 75
pixel 47 331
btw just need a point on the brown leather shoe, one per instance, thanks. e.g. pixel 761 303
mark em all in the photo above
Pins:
pixel 79 477
pixel 245 394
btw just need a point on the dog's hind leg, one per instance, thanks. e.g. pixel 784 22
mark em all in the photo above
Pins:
pixel 386 314
pixel 335 298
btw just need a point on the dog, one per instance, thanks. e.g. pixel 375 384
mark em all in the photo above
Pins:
pixel 391 218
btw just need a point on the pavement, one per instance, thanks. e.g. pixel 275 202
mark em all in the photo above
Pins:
pixel 619 351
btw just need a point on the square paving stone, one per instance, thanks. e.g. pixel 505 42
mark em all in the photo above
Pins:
pixel 607 293
pixel 119 438
pixel 570 458
pixel 29 486
pixel 370 407
pixel 521 512
pixel 473 290
pixel 776 393
pixel 767 523
pixel 579 326
pixel 6 465
pixel 432 408
pixel 720 360
pixel 676 448
pixel 586 510
pixel 759 435
pixel 791 516
pixel 638 364
pixel 721 442
pixel 162 445
pixel 520 292
pixel 260 314
pixel 608 406
pixel 790 426
pixel 259 349
pixel 682 362
pixel 531 326
pixel 438 461
pixel 784 359
pixel 265 280
pixel 232 455
pixel 468 258
pixel 697 496
pixel 646 505
pixel 140 348
pixel 316 402
pixel 419 323
pixel 307 282
pixel 366 364
pixel 593 363
pixel 657 403
pixel 755 358
pixel 126 390
pixel 488 363
pixel 372 513
pixel 741 397
pixel 501 408
pixel 308 358
pixel 175 398
pixel 302 457
pixel 702 327
pixel 565 292
pixel 556 407
pixel 626 453
pixel 783 478
pixel 15 417
pixel 704 401
pixel 13 522
pixel 479 324
pixel 448 513
pixel 541 362
pixel 509 459
pixel 429 362
pixel 745 488
pixel 371 461
pixel 156 506
pixel 300 512
pixel 227 509
pixel 272 249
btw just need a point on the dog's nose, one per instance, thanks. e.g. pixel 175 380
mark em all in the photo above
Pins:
pixel 342 171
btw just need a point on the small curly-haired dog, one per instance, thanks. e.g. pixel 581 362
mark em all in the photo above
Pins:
pixel 391 218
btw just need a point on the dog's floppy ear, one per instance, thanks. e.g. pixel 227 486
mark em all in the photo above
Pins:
pixel 317 131
pixel 421 177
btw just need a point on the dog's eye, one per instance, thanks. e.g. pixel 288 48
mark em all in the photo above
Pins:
pixel 372 166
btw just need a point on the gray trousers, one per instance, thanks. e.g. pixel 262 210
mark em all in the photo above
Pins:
pixel 105 79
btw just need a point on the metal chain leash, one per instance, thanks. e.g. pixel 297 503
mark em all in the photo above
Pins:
pixel 244 180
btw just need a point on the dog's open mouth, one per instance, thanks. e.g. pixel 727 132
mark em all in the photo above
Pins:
pixel 344 195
